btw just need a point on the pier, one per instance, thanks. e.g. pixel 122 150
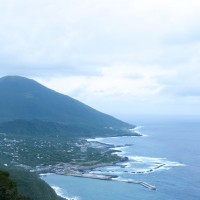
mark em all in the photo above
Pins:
pixel 147 185
pixel 110 178
pixel 144 184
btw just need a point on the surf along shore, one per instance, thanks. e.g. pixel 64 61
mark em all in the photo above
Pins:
pixel 88 169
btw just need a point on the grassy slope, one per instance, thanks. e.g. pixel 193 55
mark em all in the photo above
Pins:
pixel 30 185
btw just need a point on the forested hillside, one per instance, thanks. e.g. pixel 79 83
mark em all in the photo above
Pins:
pixel 18 184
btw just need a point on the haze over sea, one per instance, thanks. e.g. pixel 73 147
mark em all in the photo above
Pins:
pixel 173 141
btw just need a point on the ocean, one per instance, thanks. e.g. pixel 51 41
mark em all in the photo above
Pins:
pixel 166 156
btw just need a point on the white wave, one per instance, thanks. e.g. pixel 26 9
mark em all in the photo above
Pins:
pixel 146 159
pixel 46 174
pixel 174 164
pixel 144 135
pixel 136 164
pixel 116 179
pixel 137 128
pixel 150 164
pixel 156 161
pixel 98 139
pixel 59 191
pixel 138 132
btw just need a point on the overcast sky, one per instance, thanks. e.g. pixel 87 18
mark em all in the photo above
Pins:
pixel 118 56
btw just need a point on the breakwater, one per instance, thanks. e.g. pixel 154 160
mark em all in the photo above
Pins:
pixel 111 178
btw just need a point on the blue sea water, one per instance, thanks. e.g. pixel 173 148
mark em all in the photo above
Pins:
pixel 174 141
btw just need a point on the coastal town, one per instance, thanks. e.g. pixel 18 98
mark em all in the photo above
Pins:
pixel 88 156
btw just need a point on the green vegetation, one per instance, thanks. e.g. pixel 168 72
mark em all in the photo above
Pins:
pixel 19 184
pixel 28 107
pixel 43 128
pixel 40 131
pixel 20 154
pixel 35 151
pixel 8 188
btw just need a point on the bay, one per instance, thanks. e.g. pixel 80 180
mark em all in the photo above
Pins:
pixel 174 141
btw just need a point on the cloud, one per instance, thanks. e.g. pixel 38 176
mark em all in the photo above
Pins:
pixel 134 89
pixel 112 88
pixel 132 52
pixel 66 33
pixel 183 83
pixel 112 81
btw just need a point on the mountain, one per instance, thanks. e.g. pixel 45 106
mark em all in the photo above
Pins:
pixel 29 107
